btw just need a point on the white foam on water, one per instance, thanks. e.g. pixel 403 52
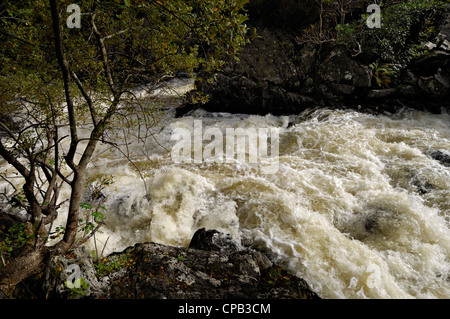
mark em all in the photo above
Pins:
pixel 357 207
pixel 342 211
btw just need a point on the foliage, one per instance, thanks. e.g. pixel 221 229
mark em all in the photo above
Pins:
pixel 322 31
pixel 113 263
pixel 383 74
pixel 406 25
pixel 12 241
pixel 63 91
pixel 93 218
pixel 331 14
pixel 80 288
pixel 395 41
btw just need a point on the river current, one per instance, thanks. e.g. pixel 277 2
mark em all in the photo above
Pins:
pixel 357 206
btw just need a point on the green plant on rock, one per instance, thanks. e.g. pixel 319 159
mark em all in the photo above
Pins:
pixel 106 266
pixel 383 74
pixel 277 274
pixel 94 218
pixel 79 288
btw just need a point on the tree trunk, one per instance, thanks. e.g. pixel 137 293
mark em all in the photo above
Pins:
pixel 21 267
pixel 35 251
pixel 74 208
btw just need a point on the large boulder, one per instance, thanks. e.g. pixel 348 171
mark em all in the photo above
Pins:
pixel 271 77
pixel 342 74
pixel 339 68
pixel 217 267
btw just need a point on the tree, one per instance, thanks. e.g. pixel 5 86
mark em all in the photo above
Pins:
pixel 56 80
pixel 342 7
pixel 320 32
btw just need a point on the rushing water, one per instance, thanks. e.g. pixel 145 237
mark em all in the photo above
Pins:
pixel 357 208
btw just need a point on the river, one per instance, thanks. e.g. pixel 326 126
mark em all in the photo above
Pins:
pixel 357 206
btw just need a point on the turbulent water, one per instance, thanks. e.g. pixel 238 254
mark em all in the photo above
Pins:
pixel 358 207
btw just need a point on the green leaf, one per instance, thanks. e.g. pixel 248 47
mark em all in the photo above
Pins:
pixel 86 205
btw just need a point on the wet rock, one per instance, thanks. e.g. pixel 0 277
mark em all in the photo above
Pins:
pixel 370 223
pixel 421 184
pixel 63 271
pixel 271 77
pixel 173 272
pixel 279 75
pixel 429 64
pixel 150 270
pixel 339 68
pixel 435 86
pixel 377 94
pixel 439 56
pixel 443 157
pixel 431 70
pixel 410 179
pixel 408 91
pixel 212 240
pixel 409 78
pixel 344 89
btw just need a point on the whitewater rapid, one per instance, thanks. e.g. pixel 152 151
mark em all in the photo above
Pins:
pixel 358 207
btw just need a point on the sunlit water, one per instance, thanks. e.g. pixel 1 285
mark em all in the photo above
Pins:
pixel 357 208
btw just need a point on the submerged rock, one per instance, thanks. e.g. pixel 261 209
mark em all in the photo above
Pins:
pixel 441 156
pixel 212 240
pixel 219 269
pixel 421 184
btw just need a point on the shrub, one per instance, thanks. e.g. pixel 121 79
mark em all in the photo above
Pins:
pixel 397 40
pixel 13 239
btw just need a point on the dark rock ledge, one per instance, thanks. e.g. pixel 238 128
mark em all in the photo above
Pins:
pixel 213 267
pixel 277 75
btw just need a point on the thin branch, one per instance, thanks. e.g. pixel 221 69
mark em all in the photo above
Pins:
pixel 86 96
pixel 64 65
pixel 12 159
pixel 86 238
pixel 103 51
pixel 26 42
pixel 115 34
pixel 159 4
pixel 60 174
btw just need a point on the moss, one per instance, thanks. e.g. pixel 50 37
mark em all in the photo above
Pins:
pixel 114 263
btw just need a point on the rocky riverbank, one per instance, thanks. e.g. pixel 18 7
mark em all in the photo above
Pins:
pixel 276 74
pixel 214 266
